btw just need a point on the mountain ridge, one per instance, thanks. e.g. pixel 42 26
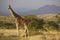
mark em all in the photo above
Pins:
pixel 46 9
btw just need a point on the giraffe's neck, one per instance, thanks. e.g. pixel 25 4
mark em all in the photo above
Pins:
pixel 13 13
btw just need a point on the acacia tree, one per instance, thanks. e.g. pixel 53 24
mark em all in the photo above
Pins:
pixel 34 22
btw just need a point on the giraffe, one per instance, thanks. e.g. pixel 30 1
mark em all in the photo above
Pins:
pixel 19 20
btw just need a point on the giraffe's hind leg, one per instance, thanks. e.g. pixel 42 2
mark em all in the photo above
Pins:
pixel 26 30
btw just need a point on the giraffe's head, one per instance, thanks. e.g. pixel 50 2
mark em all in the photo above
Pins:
pixel 9 6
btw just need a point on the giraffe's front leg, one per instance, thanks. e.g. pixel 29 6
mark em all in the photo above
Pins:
pixel 17 28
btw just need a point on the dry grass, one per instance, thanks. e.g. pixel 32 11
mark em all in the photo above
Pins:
pixel 47 16
pixel 11 35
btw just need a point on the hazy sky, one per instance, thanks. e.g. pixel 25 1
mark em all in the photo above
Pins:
pixel 27 4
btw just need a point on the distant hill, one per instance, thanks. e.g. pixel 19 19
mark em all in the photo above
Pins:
pixel 44 9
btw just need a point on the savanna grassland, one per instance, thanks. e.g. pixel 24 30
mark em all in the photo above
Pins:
pixel 41 27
